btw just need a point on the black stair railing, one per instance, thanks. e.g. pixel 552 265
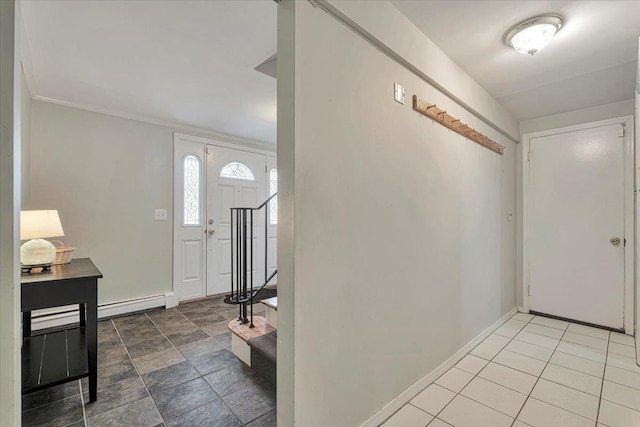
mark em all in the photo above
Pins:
pixel 243 291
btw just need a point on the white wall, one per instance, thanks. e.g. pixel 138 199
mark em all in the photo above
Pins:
pixel 383 21
pixel 570 118
pixel 401 249
pixel 587 115
pixel 25 130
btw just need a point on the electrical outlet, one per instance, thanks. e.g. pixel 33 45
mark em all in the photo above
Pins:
pixel 160 215
pixel 398 93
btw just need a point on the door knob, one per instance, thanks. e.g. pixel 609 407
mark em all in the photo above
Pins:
pixel 211 232
pixel 615 241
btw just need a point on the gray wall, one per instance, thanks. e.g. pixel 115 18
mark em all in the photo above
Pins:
pixel 106 175
pixel 401 247
pixel 10 97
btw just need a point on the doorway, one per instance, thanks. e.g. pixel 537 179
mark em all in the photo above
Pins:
pixel 209 179
pixel 578 240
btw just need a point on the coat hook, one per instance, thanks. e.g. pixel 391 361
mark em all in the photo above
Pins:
pixel 443 113
pixel 430 107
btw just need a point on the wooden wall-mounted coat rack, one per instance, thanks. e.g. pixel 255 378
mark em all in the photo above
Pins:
pixel 447 120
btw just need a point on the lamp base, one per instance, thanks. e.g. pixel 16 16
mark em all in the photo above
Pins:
pixel 41 268
pixel 37 252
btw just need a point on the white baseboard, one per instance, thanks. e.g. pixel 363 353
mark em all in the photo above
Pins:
pixel 52 320
pixel 404 398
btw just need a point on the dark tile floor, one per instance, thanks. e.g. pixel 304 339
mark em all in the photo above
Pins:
pixel 162 368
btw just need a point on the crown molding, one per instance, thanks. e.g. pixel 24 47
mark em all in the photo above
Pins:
pixel 220 136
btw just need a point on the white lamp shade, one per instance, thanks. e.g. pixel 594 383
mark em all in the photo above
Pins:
pixel 40 225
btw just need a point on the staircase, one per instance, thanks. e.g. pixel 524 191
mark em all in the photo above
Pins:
pixel 253 338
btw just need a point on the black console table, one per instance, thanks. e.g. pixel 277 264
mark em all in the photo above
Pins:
pixel 57 357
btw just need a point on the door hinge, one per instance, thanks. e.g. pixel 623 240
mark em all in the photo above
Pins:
pixel 265 168
pixel 529 156
pixel 206 150
pixel 529 290
pixel 621 131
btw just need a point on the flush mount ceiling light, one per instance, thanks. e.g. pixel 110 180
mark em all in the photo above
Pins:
pixel 534 34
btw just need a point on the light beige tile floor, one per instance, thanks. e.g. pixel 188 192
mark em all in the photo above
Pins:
pixel 535 371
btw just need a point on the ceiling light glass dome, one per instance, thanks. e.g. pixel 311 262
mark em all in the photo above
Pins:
pixel 532 35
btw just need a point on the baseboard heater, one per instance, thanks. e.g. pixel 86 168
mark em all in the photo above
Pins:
pixel 68 315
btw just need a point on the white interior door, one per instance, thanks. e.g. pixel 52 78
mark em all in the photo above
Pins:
pixel 575 214
pixel 234 179
pixel 272 231
pixel 188 217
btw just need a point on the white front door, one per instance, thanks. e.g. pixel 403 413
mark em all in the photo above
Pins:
pixel 576 225
pixel 234 179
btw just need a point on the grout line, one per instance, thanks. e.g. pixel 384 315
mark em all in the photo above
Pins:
pixel 125 347
pixel 178 350
pixel 580 357
pixel 593 349
pixel 134 367
pixel 218 396
pixel 84 412
pixel 619 404
pixel 189 361
pixel 606 357
pixel 476 375
pixel 548 362
pixel 624 385
pixel 538 379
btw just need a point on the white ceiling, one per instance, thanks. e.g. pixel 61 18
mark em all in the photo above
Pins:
pixel 592 60
pixel 192 62
pixel 186 62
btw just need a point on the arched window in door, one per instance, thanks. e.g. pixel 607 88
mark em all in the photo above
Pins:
pixel 191 190
pixel 236 170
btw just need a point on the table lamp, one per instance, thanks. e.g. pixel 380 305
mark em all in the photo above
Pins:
pixel 38 225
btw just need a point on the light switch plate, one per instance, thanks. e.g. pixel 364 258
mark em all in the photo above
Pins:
pixel 398 93
pixel 160 215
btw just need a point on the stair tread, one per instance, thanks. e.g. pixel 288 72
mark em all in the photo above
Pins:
pixel 271 302
pixel 246 333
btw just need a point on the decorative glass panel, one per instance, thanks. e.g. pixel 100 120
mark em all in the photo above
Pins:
pixel 273 189
pixel 191 190
pixel 236 170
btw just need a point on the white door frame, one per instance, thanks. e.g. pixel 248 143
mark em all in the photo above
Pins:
pixel 629 211
pixel 181 138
